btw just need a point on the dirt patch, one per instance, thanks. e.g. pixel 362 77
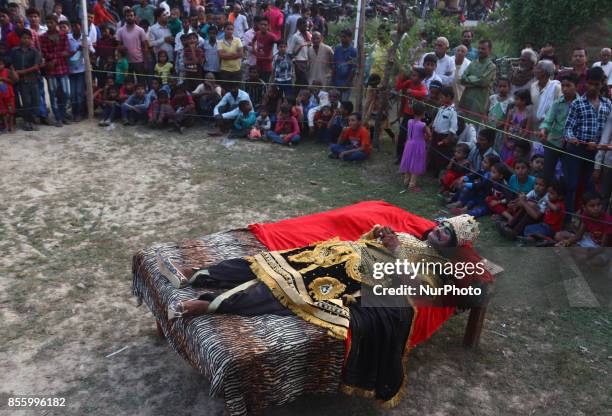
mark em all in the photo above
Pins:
pixel 79 201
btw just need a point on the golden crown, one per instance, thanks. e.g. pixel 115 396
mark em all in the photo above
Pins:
pixel 465 227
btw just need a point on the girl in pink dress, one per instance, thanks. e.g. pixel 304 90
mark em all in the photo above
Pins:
pixel 414 159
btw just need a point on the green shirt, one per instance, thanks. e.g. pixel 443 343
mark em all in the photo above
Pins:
pixel 554 122
pixel 121 70
pixel 175 26
pixel 477 78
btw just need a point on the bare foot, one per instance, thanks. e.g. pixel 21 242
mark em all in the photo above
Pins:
pixel 195 308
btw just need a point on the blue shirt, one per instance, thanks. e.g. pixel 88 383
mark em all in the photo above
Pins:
pixel 584 122
pixel 524 188
pixel 344 64
pixel 76 62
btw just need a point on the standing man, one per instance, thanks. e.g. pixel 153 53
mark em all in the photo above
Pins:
pixel 263 45
pixel 320 61
pixel 291 21
pixel 606 65
pixel 276 18
pixel 461 64
pixel 36 29
pixel 579 66
pixel 472 53
pixel 478 79
pixel 298 49
pixel 230 54
pixel 26 61
pixel 345 64
pixel 241 25
pixel 445 68
pixel 160 35
pixel 585 122
pixel 211 52
pixel 55 51
pixel 144 11
pixel 76 66
pixel 134 39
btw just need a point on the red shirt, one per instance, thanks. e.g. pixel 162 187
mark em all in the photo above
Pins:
pixel 359 138
pixel 264 44
pixel 598 228
pixel 418 92
pixel 101 15
pixel 13 40
pixel 276 19
pixel 555 218
pixel 56 51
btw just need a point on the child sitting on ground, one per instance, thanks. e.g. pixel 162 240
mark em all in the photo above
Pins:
pixel 496 194
pixel 458 167
pixel 522 148
pixel 287 130
pixel 554 214
pixel 339 121
pixel 529 210
pixel 322 120
pixel 414 159
pixel 537 164
pixel 7 95
pixel 354 143
pixel 244 122
pixel 262 124
pixel 111 107
pixel 184 109
pixel 474 187
pixel 134 109
pixel 160 111
pixel 595 229
pixel 521 182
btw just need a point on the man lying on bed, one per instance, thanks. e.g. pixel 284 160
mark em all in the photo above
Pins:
pixel 321 283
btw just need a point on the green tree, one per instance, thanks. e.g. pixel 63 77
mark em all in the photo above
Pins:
pixel 556 21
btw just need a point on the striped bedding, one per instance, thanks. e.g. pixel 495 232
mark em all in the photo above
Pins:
pixel 277 358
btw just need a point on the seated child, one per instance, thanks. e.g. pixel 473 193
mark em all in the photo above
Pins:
pixel 111 107
pixel 537 164
pixel 160 111
pixel 183 109
pixel 473 187
pixel 529 209
pixel 595 229
pixel 354 142
pixel 102 92
pixel 134 108
pixel 262 124
pixel 322 119
pixel 255 87
pixel 128 88
pixel 339 121
pixel 458 167
pixel 496 194
pixel 521 182
pixel 7 95
pixel 244 122
pixel 287 130
pixel 522 149
pixel 207 95
pixel 554 214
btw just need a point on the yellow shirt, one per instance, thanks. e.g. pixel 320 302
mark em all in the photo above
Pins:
pixel 230 65
pixel 163 71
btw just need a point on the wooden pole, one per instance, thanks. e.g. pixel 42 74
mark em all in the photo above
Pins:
pixel 361 50
pixel 85 52
pixel 403 26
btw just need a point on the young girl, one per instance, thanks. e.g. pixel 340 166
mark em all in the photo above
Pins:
pixel 163 68
pixel 517 122
pixel 414 158
pixel 7 96
pixel 498 109
pixel 121 65
pixel 457 167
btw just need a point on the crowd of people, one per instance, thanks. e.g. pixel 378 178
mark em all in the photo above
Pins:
pixel 533 148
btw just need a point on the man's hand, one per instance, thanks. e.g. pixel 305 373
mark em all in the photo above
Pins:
pixel 389 238
pixel 592 146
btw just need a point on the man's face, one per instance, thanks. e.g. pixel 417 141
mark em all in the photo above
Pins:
pixel 538 73
pixel 234 91
pixel 467 38
pixel 482 143
pixel 185 25
pixel 263 26
pixel 163 19
pixel 440 48
pixel 129 17
pixel 579 58
pixel 212 34
pixel 316 39
pixel 90 18
pixel 441 236
pixel 4 19
pixel 34 19
pixel 345 39
pixel 460 54
pixel 568 88
pixel 593 87
pixel 605 56
pixel 483 50
pixel 51 25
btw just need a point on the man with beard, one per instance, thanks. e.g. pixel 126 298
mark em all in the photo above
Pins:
pixel 134 38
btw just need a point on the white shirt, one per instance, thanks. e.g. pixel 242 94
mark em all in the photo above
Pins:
pixel 294 43
pixel 459 70
pixel 542 99
pixel 446 120
pixel 445 65
pixel 157 36
pixel 178 45
pixel 607 68
pixel 240 26
pixel 427 81
pixel 92 34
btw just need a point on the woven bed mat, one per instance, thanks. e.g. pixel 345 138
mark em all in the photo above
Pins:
pixel 252 362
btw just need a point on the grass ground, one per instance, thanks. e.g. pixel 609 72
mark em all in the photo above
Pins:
pixel 78 202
